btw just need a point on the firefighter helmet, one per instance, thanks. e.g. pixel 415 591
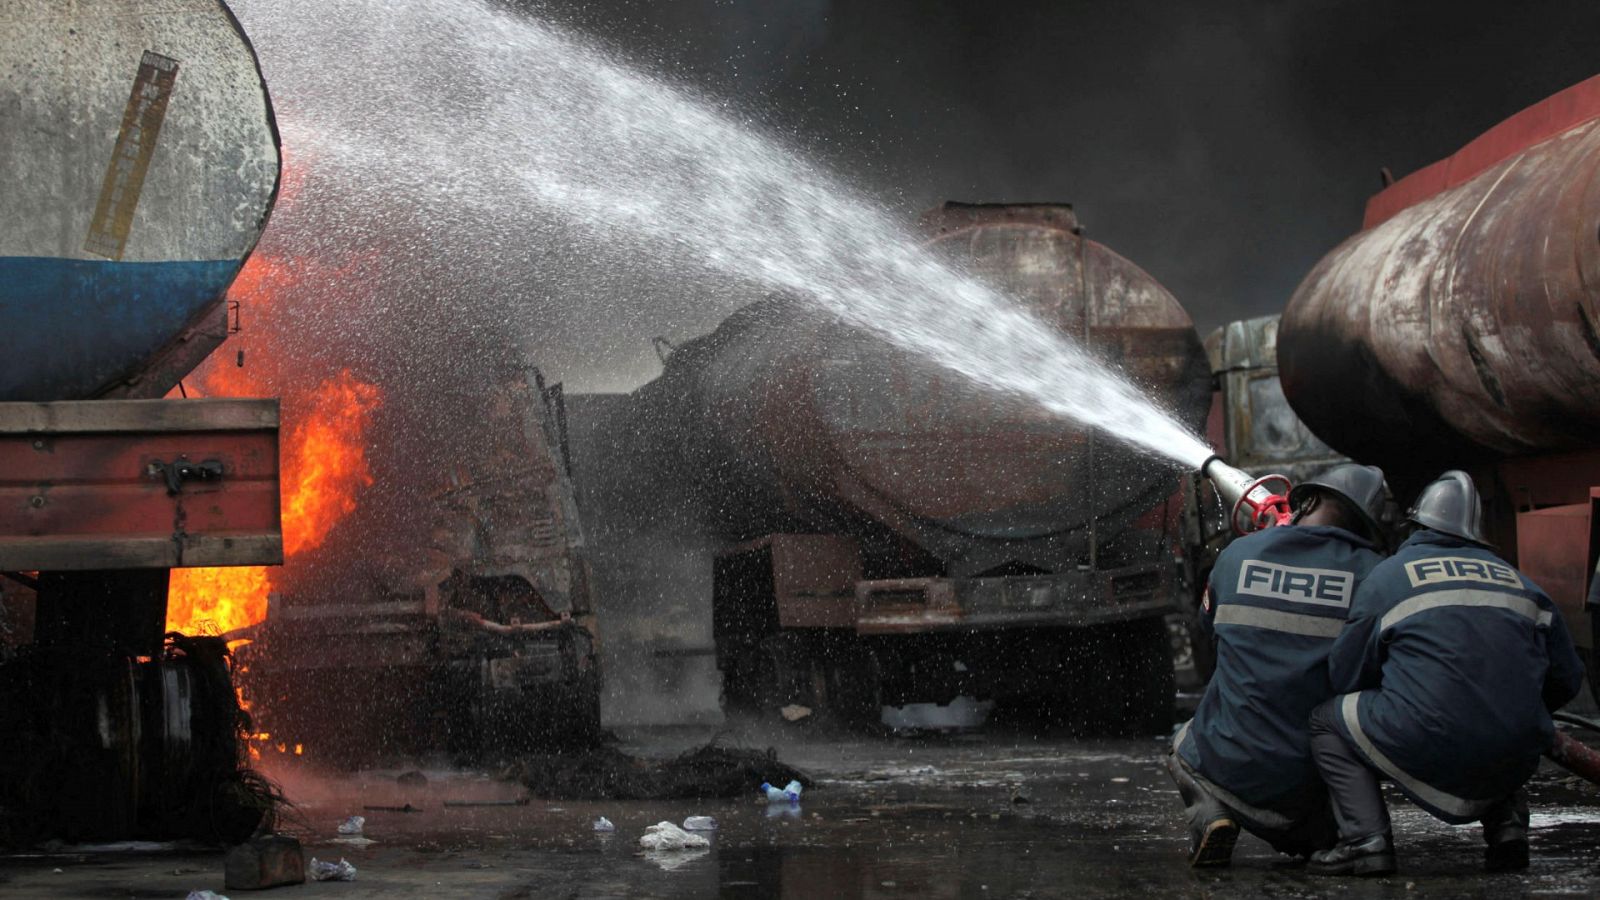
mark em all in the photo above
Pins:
pixel 1451 505
pixel 1361 486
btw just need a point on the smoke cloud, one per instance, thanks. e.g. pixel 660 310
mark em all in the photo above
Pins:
pixel 1223 146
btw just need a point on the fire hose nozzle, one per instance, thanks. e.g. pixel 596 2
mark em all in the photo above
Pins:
pixel 1254 503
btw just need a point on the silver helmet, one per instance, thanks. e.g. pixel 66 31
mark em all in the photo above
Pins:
pixel 1451 505
pixel 1362 487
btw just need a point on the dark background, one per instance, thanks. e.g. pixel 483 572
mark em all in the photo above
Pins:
pixel 1223 146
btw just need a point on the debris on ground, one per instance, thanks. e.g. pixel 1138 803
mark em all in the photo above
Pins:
pixel 699 823
pixel 604 824
pixel 606 773
pixel 205 895
pixel 667 836
pixel 794 712
pixel 789 793
pixel 330 871
pixel 407 808
pixel 264 861
pixel 352 825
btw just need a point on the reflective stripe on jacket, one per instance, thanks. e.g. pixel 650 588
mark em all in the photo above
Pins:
pixel 1278 598
pixel 1453 661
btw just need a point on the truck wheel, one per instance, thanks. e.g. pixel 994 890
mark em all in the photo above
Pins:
pixel 1145 681
pixel 783 672
pixel 855 686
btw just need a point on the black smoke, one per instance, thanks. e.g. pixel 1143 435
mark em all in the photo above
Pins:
pixel 1223 146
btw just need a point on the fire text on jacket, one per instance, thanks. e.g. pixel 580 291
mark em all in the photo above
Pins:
pixel 1323 587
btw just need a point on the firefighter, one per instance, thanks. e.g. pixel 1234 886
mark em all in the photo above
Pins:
pixel 1447 673
pixel 1275 601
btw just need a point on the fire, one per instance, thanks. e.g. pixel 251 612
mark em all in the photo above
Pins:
pixel 322 455
pixel 216 601
pixel 325 462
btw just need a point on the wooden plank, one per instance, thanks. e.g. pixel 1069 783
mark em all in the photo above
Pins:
pixel 83 484
pixel 232 550
pixel 73 553
pixel 143 416
pixel 66 554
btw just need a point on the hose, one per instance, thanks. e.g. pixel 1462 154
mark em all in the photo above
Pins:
pixel 1580 721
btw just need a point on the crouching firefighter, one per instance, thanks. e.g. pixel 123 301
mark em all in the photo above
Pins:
pixel 1447 673
pixel 1275 602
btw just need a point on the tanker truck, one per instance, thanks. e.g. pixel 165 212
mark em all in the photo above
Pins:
pixel 138 165
pixel 1460 328
pixel 886 533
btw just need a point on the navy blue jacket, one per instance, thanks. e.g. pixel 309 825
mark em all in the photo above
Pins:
pixel 1458 660
pixel 1278 598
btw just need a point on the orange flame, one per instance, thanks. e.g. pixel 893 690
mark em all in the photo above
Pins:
pixel 325 461
pixel 323 467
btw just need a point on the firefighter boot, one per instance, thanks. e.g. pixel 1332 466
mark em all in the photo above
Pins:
pixel 1366 845
pixel 1372 855
pixel 1212 829
pixel 1505 832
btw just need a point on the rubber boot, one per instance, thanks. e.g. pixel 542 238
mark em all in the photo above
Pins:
pixel 1505 834
pixel 1366 845
pixel 1212 829
pixel 1371 855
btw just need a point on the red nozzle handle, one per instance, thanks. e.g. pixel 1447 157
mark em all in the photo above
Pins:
pixel 1264 504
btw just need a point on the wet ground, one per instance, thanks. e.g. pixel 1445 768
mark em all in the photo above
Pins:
pixel 945 817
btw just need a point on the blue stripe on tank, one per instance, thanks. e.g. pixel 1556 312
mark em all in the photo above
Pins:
pixel 68 327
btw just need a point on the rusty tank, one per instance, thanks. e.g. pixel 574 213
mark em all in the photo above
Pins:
pixel 1462 324
pixel 786 420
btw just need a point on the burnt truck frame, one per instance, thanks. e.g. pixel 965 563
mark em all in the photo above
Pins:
pixel 796 622
pixel 484 643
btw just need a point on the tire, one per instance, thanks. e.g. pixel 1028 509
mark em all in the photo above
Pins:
pixel 782 673
pixel 855 686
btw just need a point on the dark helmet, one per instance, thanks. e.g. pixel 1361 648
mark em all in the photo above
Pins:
pixel 1362 487
pixel 1451 505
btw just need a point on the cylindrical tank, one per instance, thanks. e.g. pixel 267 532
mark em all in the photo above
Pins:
pixel 138 163
pixel 1461 324
pixel 786 419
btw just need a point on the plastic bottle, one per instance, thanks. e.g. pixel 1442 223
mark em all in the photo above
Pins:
pixel 789 794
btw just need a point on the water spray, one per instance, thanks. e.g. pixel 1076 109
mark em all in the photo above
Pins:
pixel 1253 503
